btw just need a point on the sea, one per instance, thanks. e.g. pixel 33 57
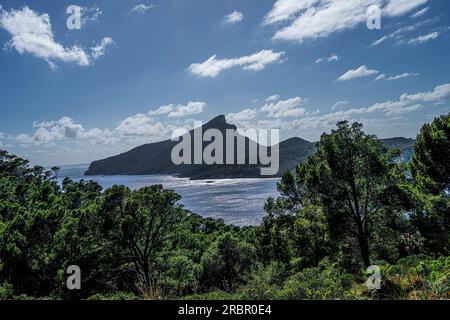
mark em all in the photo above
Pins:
pixel 236 201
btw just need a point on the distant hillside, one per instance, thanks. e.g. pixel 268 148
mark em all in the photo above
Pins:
pixel 155 158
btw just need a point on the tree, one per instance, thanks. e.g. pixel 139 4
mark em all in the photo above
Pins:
pixel 226 262
pixel 147 218
pixel 430 165
pixel 350 177
pixel 430 168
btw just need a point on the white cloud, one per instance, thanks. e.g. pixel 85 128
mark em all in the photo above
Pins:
pixel 244 115
pixel 322 18
pixel 100 49
pixel 286 9
pixel 50 131
pixel 314 19
pixel 397 8
pixel 190 108
pixel 234 17
pixel 31 33
pixel 89 15
pixel 178 111
pixel 331 58
pixel 255 62
pixel 284 108
pixel 396 77
pixel 140 125
pixel 43 124
pixel 273 98
pixel 162 110
pixel 407 103
pixel 439 93
pixel 362 71
pixel 402 110
pixel 420 12
pixel 380 41
pixel 399 34
pixel 424 38
pixel 141 8
pixel 339 104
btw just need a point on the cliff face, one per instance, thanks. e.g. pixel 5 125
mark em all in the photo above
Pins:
pixel 155 158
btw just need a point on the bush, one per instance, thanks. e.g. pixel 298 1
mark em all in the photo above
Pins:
pixel 325 282
pixel 416 278
pixel 6 291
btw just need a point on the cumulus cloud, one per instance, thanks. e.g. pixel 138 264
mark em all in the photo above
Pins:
pixel 255 62
pixel 424 38
pixel 360 72
pixel 393 109
pixel 407 102
pixel 234 17
pixel 162 110
pixel 140 125
pixel 284 108
pixel 31 33
pixel 331 58
pixel 244 115
pixel 178 111
pixel 273 98
pixel 313 19
pixel 50 131
pixel 141 8
pixel 439 93
pixel 190 108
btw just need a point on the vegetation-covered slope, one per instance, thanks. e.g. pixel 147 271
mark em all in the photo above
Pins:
pixel 348 206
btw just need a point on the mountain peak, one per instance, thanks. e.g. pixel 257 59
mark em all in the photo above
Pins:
pixel 220 123
pixel 220 119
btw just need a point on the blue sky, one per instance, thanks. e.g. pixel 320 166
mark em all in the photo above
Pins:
pixel 137 70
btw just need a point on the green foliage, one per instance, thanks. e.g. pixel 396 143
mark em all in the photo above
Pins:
pixel 430 165
pixel 226 263
pixel 325 282
pixel 6 291
pixel 416 278
pixel 349 192
pixel 348 205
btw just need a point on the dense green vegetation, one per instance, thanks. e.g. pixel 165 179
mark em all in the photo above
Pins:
pixel 348 206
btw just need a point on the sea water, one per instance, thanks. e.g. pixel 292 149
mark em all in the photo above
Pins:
pixel 236 201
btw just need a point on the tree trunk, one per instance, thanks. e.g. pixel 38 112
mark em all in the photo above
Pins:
pixel 363 245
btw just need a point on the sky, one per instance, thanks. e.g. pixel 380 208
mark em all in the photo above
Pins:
pixel 135 71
